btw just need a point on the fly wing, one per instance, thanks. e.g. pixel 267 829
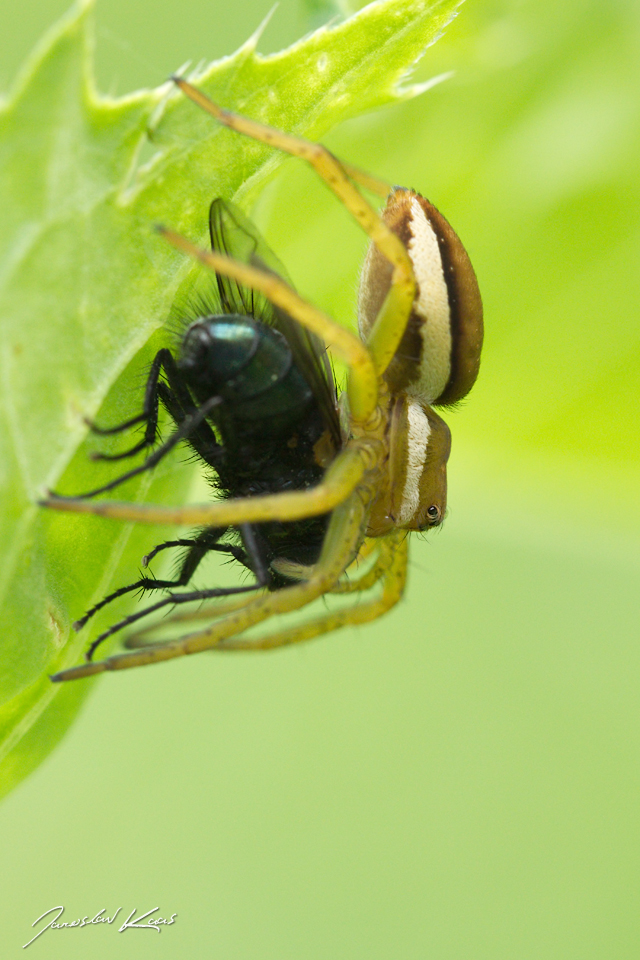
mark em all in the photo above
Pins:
pixel 235 236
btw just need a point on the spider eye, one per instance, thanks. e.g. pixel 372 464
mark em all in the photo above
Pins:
pixel 433 513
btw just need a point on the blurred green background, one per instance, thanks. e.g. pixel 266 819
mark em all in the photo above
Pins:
pixel 460 779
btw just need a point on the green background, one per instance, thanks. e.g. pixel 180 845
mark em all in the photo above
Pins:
pixel 460 779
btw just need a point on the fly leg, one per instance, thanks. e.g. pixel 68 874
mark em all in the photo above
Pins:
pixel 206 542
pixel 188 426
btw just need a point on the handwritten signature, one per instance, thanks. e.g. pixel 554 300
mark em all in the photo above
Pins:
pixel 153 923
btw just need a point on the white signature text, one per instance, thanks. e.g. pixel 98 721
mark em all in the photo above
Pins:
pixel 153 923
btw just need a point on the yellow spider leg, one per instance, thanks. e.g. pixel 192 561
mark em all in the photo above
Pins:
pixel 386 548
pixel 300 571
pixel 390 324
pixel 380 187
pixel 341 478
pixel 362 387
pixel 393 584
pixel 367 548
pixel 340 544
pixel 208 611
pixel 364 582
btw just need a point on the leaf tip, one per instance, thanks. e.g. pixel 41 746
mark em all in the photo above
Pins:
pixel 417 89
pixel 251 43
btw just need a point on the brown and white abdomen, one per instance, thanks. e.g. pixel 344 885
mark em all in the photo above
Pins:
pixel 439 355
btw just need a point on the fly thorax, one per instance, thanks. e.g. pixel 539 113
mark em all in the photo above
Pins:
pixel 245 362
pixel 216 352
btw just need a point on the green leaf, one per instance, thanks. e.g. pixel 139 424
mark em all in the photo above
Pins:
pixel 85 286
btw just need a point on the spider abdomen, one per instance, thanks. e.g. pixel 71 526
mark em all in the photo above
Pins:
pixel 438 357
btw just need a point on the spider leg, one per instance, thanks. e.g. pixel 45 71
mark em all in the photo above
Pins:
pixel 380 187
pixel 171 600
pixel 362 386
pixel 339 481
pixel 390 324
pixel 340 545
pixel 390 568
pixel 143 637
pixel 204 543
pixel 296 571
pixel 393 575
pixel 251 553
pixel 376 572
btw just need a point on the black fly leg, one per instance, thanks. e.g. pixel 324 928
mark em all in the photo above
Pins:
pixel 168 544
pixel 251 557
pixel 202 439
pixel 172 600
pixel 177 400
pixel 254 557
pixel 188 426
pixel 204 543
pixel 149 412
pixel 189 418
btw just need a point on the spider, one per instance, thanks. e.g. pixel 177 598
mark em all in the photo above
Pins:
pixel 324 491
